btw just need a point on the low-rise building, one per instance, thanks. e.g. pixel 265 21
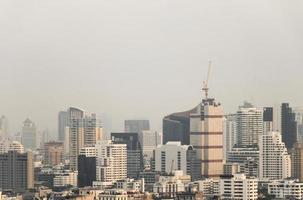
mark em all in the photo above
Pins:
pixel 238 187
pixel 284 189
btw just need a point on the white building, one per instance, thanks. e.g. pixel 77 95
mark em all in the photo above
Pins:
pixel 230 130
pixel 149 141
pixel 113 195
pixel 206 135
pixel 209 187
pixel 65 178
pixel 238 187
pixel 249 125
pixel 88 151
pixel 169 186
pixel 284 189
pixel 16 146
pixel 111 161
pixel 6 145
pixel 130 185
pixel 274 160
pixel 170 157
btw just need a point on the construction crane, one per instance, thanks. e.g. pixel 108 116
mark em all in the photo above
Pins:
pixel 205 83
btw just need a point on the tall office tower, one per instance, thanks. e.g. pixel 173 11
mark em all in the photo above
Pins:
pixel 83 130
pixel 87 166
pixel 16 146
pixel 29 134
pixel 173 156
pixel 229 133
pixel 111 161
pixel 299 119
pixel 149 141
pixel 274 159
pixel 16 171
pixel 288 126
pixel 136 126
pixel 176 127
pixel 54 153
pixel 268 116
pixel 206 135
pixel 3 127
pixel 297 161
pixel 62 123
pixel 249 125
pixel 134 152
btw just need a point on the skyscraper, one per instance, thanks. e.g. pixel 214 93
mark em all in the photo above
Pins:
pixel 29 134
pixel 206 135
pixel 297 161
pixel 299 119
pixel 274 159
pixel 16 171
pixel 230 130
pixel 268 116
pixel 149 140
pixel 62 123
pixel 3 127
pixel 288 126
pixel 111 161
pixel 83 130
pixel 249 125
pixel 136 126
pixel 87 166
pixel 54 153
pixel 134 152
pixel 176 127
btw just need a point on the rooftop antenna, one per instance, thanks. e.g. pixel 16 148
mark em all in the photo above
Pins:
pixel 205 83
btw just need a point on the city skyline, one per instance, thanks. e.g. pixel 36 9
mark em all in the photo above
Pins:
pixel 141 54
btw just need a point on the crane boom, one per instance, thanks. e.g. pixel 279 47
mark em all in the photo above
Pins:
pixel 205 83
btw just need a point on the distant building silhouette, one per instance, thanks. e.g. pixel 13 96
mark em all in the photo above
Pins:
pixel 288 126
pixel 176 127
pixel 29 134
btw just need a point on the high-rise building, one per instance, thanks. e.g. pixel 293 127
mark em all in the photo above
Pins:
pixel 149 141
pixel 16 146
pixel 87 166
pixel 206 135
pixel 238 187
pixel 54 153
pixel 62 123
pixel 83 130
pixel 274 160
pixel 134 152
pixel 111 161
pixel 230 130
pixel 268 119
pixel 16 171
pixel 136 126
pixel 173 156
pixel 247 158
pixel 299 119
pixel 297 161
pixel 288 126
pixel 3 127
pixel 176 127
pixel 29 134
pixel 249 125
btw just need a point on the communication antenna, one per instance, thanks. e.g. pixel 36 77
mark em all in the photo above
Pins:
pixel 205 83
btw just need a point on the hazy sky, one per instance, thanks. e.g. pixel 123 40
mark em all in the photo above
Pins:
pixel 130 59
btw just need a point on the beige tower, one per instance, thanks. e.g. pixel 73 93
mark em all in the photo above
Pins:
pixel 206 135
